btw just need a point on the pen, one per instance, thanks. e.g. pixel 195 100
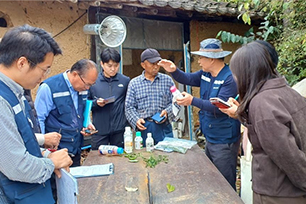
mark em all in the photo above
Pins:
pixel 52 150
pixel 236 98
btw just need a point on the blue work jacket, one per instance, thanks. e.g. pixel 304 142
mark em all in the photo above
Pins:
pixel 64 117
pixel 21 192
pixel 217 127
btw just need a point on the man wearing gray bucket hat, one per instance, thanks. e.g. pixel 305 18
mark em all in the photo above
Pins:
pixel 215 80
pixel 211 48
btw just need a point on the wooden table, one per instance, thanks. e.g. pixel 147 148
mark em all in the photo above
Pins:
pixel 195 178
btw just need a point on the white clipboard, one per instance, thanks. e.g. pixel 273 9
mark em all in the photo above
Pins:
pixel 67 188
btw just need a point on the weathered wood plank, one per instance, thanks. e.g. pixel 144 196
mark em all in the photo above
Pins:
pixel 195 178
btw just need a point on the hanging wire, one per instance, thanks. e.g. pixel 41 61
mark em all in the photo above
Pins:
pixel 70 25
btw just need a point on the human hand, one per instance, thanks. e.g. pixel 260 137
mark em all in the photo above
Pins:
pixel 101 102
pixel 186 100
pixel 52 140
pixel 233 101
pixel 168 65
pixel 58 172
pixel 163 113
pixel 91 129
pixel 60 159
pixel 139 124
pixel 231 111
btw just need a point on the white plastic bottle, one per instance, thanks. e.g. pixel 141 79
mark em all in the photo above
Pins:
pixel 138 141
pixel 176 93
pixel 110 149
pixel 128 140
pixel 149 142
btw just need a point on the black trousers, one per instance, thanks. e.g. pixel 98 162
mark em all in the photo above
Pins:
pixel 110 139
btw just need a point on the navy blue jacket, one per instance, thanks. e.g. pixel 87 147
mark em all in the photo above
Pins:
pixel 64 117
pixel 215 125
pixel 110 118
pixel 20 192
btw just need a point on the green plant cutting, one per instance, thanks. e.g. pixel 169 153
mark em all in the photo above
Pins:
pixel 150 161
pixel 170 188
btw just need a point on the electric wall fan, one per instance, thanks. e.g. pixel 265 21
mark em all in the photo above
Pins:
pixel 112 31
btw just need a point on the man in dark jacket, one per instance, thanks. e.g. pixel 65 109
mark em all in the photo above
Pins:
pixel 108 95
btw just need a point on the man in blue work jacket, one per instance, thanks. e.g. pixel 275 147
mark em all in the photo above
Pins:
pixel 26 56
pixel 60 104
pixel 215 80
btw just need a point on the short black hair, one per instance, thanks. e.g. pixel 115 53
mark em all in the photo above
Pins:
pixel 31 42
pixel 110 54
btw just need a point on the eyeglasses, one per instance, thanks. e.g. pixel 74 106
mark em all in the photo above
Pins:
pixel 86 84
pixel 46 71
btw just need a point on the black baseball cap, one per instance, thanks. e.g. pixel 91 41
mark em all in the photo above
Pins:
pixel 151 55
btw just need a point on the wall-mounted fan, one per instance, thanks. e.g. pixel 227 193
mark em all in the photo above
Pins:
pixel 112 31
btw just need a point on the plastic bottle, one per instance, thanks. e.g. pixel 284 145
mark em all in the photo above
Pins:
pixel 110 149
pixel 149 142
pixel 138 141
pixel 176 93
pixel 128 140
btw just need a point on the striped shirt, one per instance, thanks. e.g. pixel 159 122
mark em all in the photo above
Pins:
pixel 144 98
pixel 15 161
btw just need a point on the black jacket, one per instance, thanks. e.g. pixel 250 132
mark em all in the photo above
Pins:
pixel 110 118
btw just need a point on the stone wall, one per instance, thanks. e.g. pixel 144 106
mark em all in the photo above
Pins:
pixel 53 17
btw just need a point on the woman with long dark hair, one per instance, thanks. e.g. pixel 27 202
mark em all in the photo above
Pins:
pixel 275 116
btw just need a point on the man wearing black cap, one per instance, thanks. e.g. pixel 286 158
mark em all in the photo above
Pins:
pixel 147 95
pixel 222 133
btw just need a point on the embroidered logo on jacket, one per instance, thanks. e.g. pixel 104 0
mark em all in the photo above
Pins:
pixel 219 82
pixel 205 78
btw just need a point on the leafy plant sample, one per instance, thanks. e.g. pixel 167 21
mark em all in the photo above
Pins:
pixel 170 188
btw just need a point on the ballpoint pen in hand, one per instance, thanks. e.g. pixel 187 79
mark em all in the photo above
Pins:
pixel 54 150
pixel 236 98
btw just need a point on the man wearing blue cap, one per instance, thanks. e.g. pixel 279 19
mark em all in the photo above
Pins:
pixel 147 95
pixel 215 80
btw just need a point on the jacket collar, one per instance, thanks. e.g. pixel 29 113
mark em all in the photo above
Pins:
pixel 142 76
pixel 274 83
pixel 104 78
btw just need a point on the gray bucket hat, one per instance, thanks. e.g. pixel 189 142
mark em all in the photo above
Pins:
pixel 211 48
